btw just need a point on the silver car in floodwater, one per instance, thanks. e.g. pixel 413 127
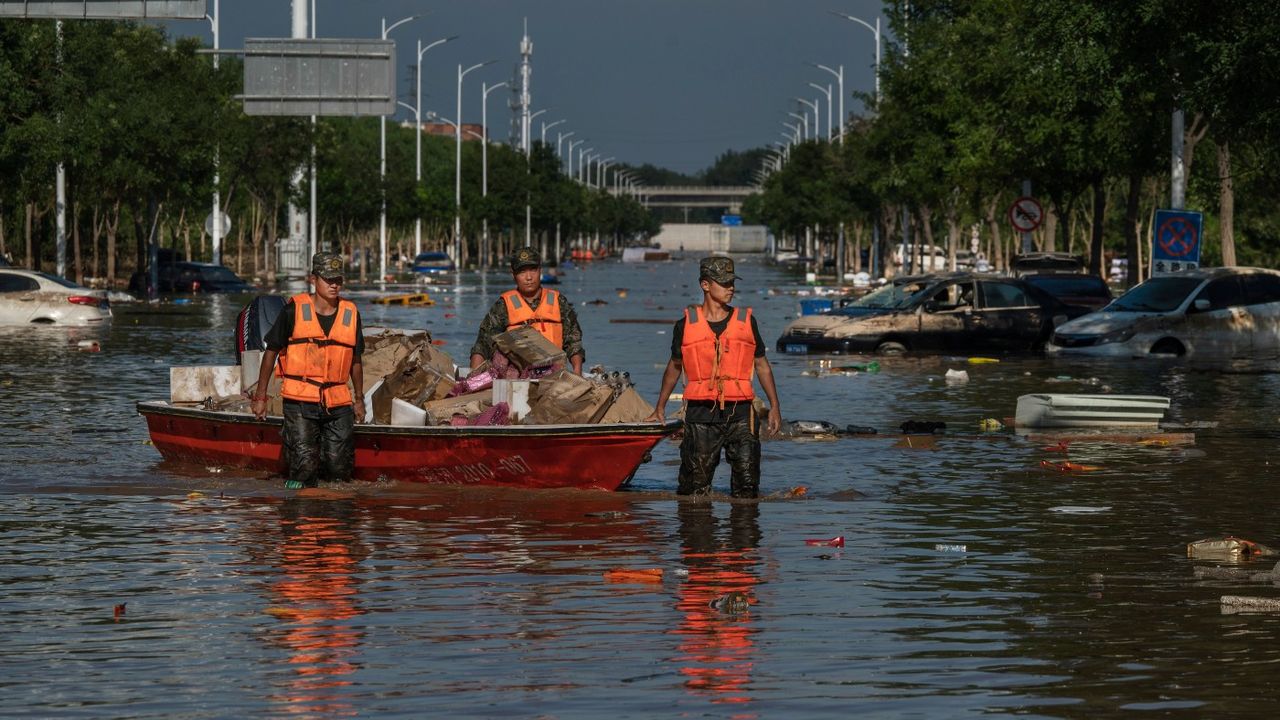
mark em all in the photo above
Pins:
pixel 36 298
pixel 1218 314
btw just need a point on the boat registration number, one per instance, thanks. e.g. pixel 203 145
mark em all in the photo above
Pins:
pixel 796 348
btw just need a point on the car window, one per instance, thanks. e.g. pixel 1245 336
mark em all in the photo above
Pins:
pixel 61 281
pixel 1223 293
pixel 1159 294
pixel 1074 285
pixel 1005 295
pixel 12 282
pixel 219 274
pixel 953 296
pixel 1261 288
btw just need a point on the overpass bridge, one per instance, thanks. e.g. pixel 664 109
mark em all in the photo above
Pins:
pixel 726 197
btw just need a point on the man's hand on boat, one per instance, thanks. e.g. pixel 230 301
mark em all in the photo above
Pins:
pixel 656 416
pixel 358 402
pixel 259 407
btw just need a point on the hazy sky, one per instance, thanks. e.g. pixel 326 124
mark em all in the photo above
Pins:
pixel 670 82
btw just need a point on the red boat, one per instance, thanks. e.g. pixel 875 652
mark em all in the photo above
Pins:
pixel 588 254
pixel 598 457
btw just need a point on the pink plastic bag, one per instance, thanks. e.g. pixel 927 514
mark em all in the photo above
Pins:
pixel 499 414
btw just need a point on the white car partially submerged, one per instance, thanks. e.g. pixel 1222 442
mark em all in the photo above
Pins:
pixel 1214 314
pixel 35 298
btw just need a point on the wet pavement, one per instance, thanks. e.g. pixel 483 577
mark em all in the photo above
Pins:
pixel 972 578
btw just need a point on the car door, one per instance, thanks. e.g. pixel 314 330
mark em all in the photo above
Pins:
pixel 1262 301
pixel 945 318
pixel 18 298
pixel 1009 319
pixel 1220 328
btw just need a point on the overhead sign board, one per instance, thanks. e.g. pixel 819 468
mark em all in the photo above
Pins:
pixel 104 9
pixel 298 77
pixel 1026 214
pixel 731 220
pixel 1175 241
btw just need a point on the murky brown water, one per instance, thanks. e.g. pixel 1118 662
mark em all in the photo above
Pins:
pixel 483 603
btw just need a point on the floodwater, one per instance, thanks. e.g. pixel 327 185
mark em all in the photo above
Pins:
pixel 123 596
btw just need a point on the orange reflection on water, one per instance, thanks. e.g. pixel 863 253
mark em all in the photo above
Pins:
pixel 717 649
pixel 314 594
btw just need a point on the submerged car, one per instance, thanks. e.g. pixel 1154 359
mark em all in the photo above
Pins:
pixel 432 262
pixel 1218 313
pixel 191 277
pixel 28 297
pixel 955 312
pixel 1080 289
pixel 883 299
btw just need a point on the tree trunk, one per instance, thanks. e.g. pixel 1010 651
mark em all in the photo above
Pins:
pixel 255 239
pixel 953 238
pixel 4 252
pixel 1099 217
pixel 859 230
pixel 1193 134
pixel 94 233
pixel 925 216
pixel 273 237
pixel 1132 208
pixel 240 250
pixel 1049 237
pixel 993 225
pixel 113 230
pixel 30 256
pixel 1227 205
pixel 75 241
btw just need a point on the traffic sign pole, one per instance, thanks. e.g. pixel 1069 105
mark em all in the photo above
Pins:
pixel 1026 235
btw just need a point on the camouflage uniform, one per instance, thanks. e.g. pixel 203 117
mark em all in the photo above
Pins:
pixel 495 323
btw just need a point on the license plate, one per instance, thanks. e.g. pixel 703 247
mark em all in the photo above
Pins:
pixel 796 348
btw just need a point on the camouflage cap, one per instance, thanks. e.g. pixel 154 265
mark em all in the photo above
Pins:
pixel 327 265
pixel 525 257
pixel 719 269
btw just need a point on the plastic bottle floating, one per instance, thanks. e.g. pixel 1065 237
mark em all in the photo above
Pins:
pixel 837 541
pixel 982 361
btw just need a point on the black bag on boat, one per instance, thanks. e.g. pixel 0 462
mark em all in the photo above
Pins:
pixel 254 321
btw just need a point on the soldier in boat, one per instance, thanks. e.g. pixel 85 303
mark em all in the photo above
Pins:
pixel 546 310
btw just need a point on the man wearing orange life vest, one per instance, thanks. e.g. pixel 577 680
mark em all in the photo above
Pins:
pixel 319 339
pixel 530 304
pixel 718 347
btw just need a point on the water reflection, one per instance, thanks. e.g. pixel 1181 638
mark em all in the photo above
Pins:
pixel 717 649
pixel 316 551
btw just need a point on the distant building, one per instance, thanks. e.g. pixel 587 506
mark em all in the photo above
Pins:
pixel 470 131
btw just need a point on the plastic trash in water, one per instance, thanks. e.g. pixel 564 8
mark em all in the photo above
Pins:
pixel 1229 547
pixel 990 425
pixel 859 430
pixel 88 346
pixel 1231 604
pixel 837 541
pixel 956 377
pixel 735 602
pixel 950 547
pixel 1080 509
pixel 1067 466
pixel 982 361
pixel 1062 446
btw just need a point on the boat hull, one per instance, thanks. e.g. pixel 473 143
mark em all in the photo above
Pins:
pixel 600 457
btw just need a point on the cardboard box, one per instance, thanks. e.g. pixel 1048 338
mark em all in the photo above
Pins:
pixel 198 383
pixel 628 407
pixel 402 413
pixel 567 399
pixel 441 412
pixel 515 393
pixel 415 384
pixel 526 348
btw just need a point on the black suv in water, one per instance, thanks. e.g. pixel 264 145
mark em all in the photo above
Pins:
pixel 191 277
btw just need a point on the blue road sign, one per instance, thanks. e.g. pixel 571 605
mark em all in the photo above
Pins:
pixel 1175 240
pixel 733 220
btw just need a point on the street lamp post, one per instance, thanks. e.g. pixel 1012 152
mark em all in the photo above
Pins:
pixel 457 172
pixel 528 206
pixel 484 162
pixel 802 125
pixel 546 126
pixel 840 90
pixel 812 105
pixel 382 163
pixel 559 139
pixel 601 169
pixel 217 159
pixel 582 152
pixel 826 91
pixel 568 167
pixel 417 174
pixel 876 31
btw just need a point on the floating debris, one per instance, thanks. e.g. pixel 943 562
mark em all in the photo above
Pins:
pixel 640 575
pixel 1080 509
pixel 837 541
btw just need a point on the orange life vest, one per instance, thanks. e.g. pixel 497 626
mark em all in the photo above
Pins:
pixel 720 368
pixel 545 318
pixel 314 367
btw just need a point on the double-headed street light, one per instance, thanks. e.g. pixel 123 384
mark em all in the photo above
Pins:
pixel 457 172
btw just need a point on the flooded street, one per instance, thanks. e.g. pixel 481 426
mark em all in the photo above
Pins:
pixel 243 600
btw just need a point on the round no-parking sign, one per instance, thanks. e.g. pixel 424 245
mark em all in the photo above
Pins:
pixel 1026 214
